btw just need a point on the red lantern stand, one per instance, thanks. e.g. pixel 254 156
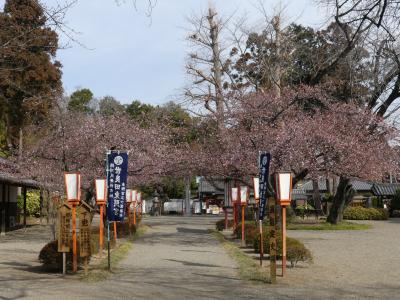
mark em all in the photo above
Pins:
pixel 283 181
pixel 244 198
pixel 235 192
pixel 73 199
pixel 128 208
pixel 101 202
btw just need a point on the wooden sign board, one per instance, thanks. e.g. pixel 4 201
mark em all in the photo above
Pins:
pixel 64 226
pixel 85 220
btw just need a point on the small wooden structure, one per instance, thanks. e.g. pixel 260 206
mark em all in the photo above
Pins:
pixel 10 180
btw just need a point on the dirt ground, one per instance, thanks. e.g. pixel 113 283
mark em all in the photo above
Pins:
pixel 179 259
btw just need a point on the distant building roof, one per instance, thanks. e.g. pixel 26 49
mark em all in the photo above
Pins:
pixel 385 189
pixel 358 185
pixel 10 174
pixel 213 186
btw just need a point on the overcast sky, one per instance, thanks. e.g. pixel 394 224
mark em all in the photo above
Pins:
pixel 130 56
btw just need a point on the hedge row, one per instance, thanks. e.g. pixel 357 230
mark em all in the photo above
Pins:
pixel 362 213
pixel 220 225
pixel 295 250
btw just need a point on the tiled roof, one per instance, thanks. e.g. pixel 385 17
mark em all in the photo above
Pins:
pixel 358 185
pixel 385 189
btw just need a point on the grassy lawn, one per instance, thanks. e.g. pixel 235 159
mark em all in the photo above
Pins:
pixel 248 268
pixel 327 226
pixel 100 271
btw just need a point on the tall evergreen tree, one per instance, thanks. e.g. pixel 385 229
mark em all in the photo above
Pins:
pixel 30 77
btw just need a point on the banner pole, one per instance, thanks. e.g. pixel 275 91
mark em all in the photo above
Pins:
pixel 107 216
pixel 108 245
pixel 261 243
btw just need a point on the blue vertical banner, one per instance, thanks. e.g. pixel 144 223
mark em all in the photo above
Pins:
pixel 264 162
pixel 117 175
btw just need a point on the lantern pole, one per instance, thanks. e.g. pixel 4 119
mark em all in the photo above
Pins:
pixel 243 241
pixel 272 238
pixel 73 199
pixel 283 240
pixel 283 187
pixel 74 246
pixel 101 243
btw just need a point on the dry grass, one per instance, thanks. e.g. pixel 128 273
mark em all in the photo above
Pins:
pixel 248 268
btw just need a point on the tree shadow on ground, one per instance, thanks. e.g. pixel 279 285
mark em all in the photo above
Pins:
pixel 193 264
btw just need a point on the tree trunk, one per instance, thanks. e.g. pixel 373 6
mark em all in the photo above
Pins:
pixel 188 210
pixel 217 68
pixel 344 195
pixel 316 195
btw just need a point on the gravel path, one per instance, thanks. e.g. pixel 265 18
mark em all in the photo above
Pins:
pixel 352 264
pixel 178 259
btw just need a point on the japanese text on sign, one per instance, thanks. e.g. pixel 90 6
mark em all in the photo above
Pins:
pixel 117 166
pixel 264 161
pixel 64 225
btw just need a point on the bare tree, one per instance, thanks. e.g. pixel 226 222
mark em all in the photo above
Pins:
pixel 207 63
pixel 375 24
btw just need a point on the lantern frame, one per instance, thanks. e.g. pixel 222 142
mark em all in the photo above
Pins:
pixel 256 185
pixel 244 195
pixel 134 196
pixel 77 199
pixel 283 180
pixel 128 196
pixel 235 194
pixel 98 188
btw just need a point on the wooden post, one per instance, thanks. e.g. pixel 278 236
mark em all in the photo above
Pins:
pixel 261 243
pixel 115 231
pixel 24 196
pixel 134 215
pixel 243 241
pixel 226 217
pixel 64 263
pixel 74 246
pixel 41 206
pixel 283 240
pixel 101 242
pixel 234 216
pixel 86 265
pixel 3 210
pixel 272 239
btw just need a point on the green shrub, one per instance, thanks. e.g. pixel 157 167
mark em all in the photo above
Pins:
pixel 328 197
pixel 375 201
pixel 362 213
pixel 290 215
pixel 125 229
pixel 52 259
pixel 302 210
pixel 220 225
pixel 249 228
pixel 32 203
pixel 256 241
pixel 295 250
